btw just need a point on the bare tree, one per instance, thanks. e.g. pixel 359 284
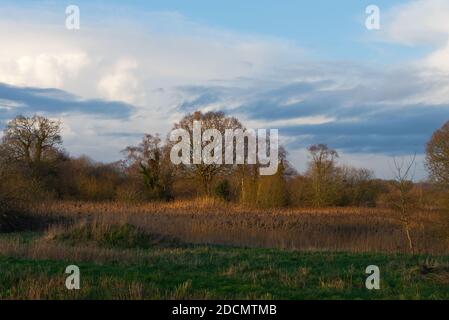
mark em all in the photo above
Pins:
pixel 321 169
pixel 31 139
pixel 150 158
pixel 206 173
pixel 402 200
pixel 356 186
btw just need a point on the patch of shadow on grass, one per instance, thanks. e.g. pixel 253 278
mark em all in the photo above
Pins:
pixel 434 270
pixel 123 236
pixel 20 221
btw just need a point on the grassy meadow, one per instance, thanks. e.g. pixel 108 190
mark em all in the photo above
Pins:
pixel 210 249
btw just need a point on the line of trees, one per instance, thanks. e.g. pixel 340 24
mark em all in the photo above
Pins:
pixel 34 165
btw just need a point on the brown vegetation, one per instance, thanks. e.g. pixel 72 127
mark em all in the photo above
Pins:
pixel 211 221
pixel 146 191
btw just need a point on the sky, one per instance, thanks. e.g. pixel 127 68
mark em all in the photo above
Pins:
pixel 308 68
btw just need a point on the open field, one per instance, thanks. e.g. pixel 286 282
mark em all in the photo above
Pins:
pixel 205 272
pixel 214 250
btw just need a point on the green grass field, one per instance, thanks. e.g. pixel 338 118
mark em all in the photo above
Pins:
pixel 214 272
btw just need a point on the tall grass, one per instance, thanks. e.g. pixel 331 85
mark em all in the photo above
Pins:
pixel 210 221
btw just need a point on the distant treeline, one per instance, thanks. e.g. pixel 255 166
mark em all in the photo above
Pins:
pixel 35 166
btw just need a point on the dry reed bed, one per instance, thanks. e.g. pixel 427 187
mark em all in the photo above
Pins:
pixel 41 249
pixel 199 206
pixel 214 222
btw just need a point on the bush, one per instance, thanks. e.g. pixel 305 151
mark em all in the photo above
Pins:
pixel 17 193
pixel 113 236
pixel 223 190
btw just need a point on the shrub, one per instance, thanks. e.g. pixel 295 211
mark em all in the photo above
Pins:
pixel 223 190
pixel 113 236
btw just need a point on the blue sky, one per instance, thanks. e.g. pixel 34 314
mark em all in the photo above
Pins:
pixel 327 29
pixel 309 68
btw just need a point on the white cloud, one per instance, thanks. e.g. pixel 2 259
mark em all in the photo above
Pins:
pixel 41 70
pixel 132 62
pixel 439 59
pixel 313 120
pixel 30 58
pixel 121 84
pixel 9 105
pixel 419 22
pixel 422 22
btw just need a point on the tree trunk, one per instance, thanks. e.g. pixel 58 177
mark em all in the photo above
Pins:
pixel 409 238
